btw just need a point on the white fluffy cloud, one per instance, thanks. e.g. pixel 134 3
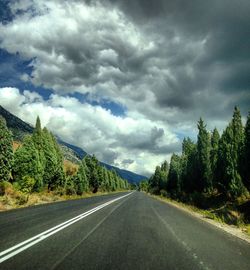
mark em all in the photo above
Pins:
pixel 112 138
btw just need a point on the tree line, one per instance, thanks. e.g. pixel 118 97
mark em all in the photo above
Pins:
pixel 38 165
pixel 213 165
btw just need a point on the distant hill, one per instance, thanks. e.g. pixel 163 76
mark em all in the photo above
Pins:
pixel 71 152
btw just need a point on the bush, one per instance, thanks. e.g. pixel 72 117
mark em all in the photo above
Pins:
pixel 59 191
pixel 163 193
pixel 21 198
pixel 198 199
pixel 27 184
pixel 70 190
pixel 5 188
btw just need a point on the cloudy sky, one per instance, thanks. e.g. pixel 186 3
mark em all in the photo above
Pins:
pixel 125 79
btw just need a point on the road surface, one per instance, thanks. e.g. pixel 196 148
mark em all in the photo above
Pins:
pixel 114 232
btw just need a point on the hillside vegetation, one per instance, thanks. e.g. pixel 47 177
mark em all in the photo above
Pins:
pixel 70 152
pixel 37 166
pixel 212 174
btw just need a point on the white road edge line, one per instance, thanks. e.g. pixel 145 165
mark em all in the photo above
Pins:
pixel 40 237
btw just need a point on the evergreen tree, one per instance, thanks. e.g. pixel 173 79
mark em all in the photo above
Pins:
pixel 50 167
pixel 60 175
pixel 6 151
pixel 189 177
pixel 53 168
pixel 80 180
pixel 214 154
pixel 174 185
pixel 27 163
pixel 229 157
pixel 203 155
pixel 106 180
pixel 37 137
pixel 92 174
pixel 155 181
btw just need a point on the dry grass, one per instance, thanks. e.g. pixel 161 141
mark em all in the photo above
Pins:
pixel 70 168
pixel 224 215
pixel 13 198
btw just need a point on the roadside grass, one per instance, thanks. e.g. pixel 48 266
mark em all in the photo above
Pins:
pixel 235 214
pixel 12 198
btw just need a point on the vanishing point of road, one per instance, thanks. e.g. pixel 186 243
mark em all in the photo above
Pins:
pixel 117 231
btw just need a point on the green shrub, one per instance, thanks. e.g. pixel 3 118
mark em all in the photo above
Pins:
pixel 27 184
pixel 5 187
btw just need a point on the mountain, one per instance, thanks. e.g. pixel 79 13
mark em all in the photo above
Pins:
pixel 71 152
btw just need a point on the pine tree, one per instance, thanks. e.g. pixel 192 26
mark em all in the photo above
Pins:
pixel 80 180
pixel 53 168
pixel 189 178
pixel 174 185
pixel 92 173
pixel 37 137
pixel 60 175
pixel 229 157
pixel 50 167
pixel 27 164
pixel 155 181
pixel 203 155
pixel 6 151
pixel 214 154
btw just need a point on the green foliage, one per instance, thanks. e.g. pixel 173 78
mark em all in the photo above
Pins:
pixel 6 151
pixel 214 155
pixel 38 163
pixel 189 166
pixel 27 163
pixel 70 186
pixel 203 156
pixel 4 186
pixel 211 167
pixel 53 166
pixel 92 165
pixel 158 181
pixel 229 157
pixel 80 179
pixel 27 184
pixel 174 183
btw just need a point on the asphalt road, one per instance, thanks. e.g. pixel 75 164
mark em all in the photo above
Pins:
pixel 134 232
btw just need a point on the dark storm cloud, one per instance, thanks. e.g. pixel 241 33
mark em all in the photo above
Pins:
pixel 223 26
pixel 146 141
pixel 109 156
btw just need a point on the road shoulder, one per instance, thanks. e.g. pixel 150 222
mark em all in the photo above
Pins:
pixel 231 229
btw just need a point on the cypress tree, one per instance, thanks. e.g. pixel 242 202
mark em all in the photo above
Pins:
pixel 53 162
pixel 214 154
pixel 37 137
pixel 6 151
pixel 60 175
pixel 203 155
pixel 229 157
pixel 155 181
pixel 92 173
pixel 80 180
pixel 189 166
pixel 27 163
pixel 50 167
pixel 106 180
pixel 174 185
